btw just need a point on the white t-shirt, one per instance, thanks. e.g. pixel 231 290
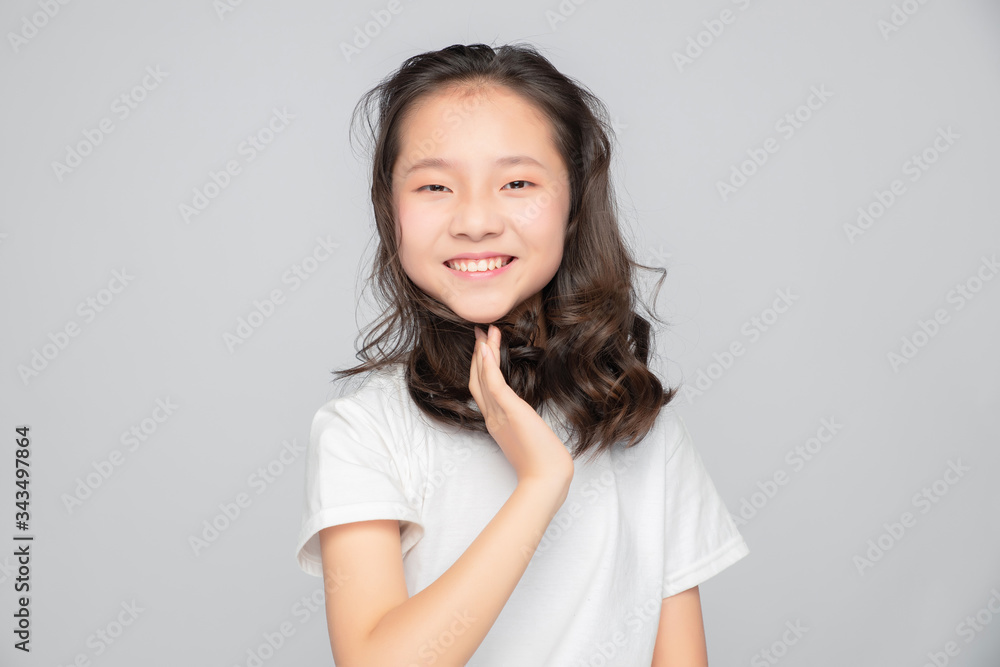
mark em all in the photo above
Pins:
pixel 638 524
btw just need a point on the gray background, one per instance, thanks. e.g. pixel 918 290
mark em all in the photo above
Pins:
pixel 680 130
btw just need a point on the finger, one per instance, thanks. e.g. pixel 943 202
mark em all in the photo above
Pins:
pixel 477 351
pixel 481 369
pixel 484 359
pixel 475 370
pixel 494 339
pixel 486 364
pixel 482 339
pixel 487 379
pixel 475 346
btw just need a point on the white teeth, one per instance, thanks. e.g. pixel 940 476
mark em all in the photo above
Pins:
pixel 478 265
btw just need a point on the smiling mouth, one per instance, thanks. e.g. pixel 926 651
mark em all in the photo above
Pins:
pixel 478 265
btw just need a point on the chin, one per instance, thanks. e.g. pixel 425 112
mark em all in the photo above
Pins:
pixel 483 322
pixel 484 319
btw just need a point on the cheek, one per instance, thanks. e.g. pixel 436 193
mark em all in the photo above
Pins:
pixel 408 226
pixel 551 203
pixel 415 231
pixel 415 219
pixel 545 240
pixel 542 219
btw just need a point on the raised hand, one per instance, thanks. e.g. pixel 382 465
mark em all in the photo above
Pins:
pixel 531 447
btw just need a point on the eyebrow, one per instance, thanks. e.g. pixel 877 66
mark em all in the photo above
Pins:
pixel 441 163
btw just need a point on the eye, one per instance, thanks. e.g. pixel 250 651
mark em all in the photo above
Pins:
pixel 524 184
pixel 432 186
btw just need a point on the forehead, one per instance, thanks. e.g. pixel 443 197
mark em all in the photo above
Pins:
pixel 468 99
pixel 460 119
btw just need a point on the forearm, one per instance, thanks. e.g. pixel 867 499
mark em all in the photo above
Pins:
pixel 680 638
pixel 446 622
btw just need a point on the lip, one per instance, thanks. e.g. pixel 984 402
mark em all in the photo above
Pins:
pixel 480 275
pixel 478 255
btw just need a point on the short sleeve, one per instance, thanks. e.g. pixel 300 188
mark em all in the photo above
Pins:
pixel 700 537
pixel 354 472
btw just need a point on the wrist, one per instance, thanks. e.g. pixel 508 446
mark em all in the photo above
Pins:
pixel 549 488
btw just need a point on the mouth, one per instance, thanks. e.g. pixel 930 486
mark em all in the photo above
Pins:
pixel 486 265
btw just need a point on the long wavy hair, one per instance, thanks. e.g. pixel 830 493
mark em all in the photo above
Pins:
pixel 593 366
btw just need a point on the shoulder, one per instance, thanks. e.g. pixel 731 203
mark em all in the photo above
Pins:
pixel 673 430
pixel 647 457
pixel 667 433
pixel 371 426
pixel 378 398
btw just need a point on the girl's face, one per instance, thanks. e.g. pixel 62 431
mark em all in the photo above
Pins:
pixel 479 176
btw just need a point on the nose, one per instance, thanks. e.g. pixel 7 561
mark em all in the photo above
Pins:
pixel 476 216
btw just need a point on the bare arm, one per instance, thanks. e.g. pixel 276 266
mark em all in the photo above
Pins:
pixel 680 640
pixel 446 622
pixel 372 621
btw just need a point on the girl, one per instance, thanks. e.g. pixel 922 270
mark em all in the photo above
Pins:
pixel 449 507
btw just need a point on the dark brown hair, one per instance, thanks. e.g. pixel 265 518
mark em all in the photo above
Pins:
pixel 594 363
